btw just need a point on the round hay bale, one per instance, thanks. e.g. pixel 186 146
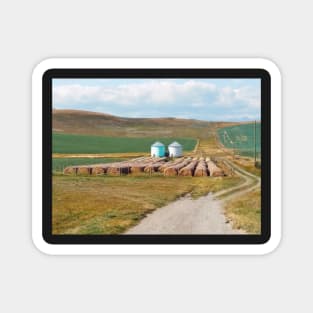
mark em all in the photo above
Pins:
pixel 118 170
pixel 82 170
pixel 170 171
pixel 137 168
pixel 98 170
pixel 69 170
pixel 174 169
pixel 189 169
pixel 154 167
pixel 201 169
pixel 113 170
pixel 214 170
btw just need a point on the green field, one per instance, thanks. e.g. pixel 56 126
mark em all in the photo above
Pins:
pixel 241 138
pixel 70 143
pixel 58 164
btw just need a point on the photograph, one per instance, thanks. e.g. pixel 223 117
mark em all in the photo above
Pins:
pixel 156 156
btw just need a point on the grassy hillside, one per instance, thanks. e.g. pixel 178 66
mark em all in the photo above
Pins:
pixel 74 143
pixel 91 123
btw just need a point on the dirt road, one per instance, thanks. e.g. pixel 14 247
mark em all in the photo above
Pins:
pixel 201 216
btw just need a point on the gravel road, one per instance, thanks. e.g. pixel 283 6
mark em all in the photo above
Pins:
pixel 201 216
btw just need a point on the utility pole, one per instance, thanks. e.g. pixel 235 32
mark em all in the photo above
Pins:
pixel 254 142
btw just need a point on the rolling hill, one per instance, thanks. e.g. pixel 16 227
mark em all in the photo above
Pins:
pixel 92 123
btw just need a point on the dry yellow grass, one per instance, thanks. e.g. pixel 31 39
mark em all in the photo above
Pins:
pixel 248 165
pixel 245 212
pixel 110 205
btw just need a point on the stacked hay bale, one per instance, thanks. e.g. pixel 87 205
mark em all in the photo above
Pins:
pixel 180 166
pixel 174 169
pixel 137 168
pixel 214 170
pixel 170 163
pixel 139 165
pixel 100 169
pixel 153 167
pixel 189 169
pixel 201 169
pixel 118 169
pixel 84 170
pixel 70 170
pixel 96 169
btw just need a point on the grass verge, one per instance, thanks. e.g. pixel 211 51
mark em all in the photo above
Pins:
pixel 249 166
pixel 245 212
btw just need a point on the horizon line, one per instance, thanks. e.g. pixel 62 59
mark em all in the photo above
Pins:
pixel 167 117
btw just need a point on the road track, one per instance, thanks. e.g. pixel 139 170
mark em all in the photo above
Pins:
pixel 200 216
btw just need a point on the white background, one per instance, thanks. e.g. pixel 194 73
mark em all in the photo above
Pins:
pixel 33 30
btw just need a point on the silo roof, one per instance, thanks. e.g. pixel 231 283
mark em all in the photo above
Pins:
pixel 175 144
pixel 158 144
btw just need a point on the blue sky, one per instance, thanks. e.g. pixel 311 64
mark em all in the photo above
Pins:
pixel 202 99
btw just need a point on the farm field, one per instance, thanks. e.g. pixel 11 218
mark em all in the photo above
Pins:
pixel 111 205
pixel 241 138
pixel 84 144
pixel 58 164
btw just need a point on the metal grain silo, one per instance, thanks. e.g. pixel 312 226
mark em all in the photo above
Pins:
pixel 175 149
pixel 158 149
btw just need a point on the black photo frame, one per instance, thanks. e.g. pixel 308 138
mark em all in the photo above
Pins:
pixel 216 73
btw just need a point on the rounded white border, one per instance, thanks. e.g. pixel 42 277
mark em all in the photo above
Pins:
pixel 276 141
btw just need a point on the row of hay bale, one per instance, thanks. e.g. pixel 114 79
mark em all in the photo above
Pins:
pixel 140 167
pixel 173 170
pixel 154 166
pixel 213 169
pixel 189 169
pixel 117 168
pixel 134 166
pixel 201 169
pixel 163 167
pixel 181 166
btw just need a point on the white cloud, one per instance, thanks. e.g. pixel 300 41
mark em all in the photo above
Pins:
pixel 248 96
pixel 161 98
pixel 151 92
pixel 252 96
pixel 75 93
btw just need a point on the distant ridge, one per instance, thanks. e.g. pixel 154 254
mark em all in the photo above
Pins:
pixel 72 111
pixel 95 123
pixel 82 112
